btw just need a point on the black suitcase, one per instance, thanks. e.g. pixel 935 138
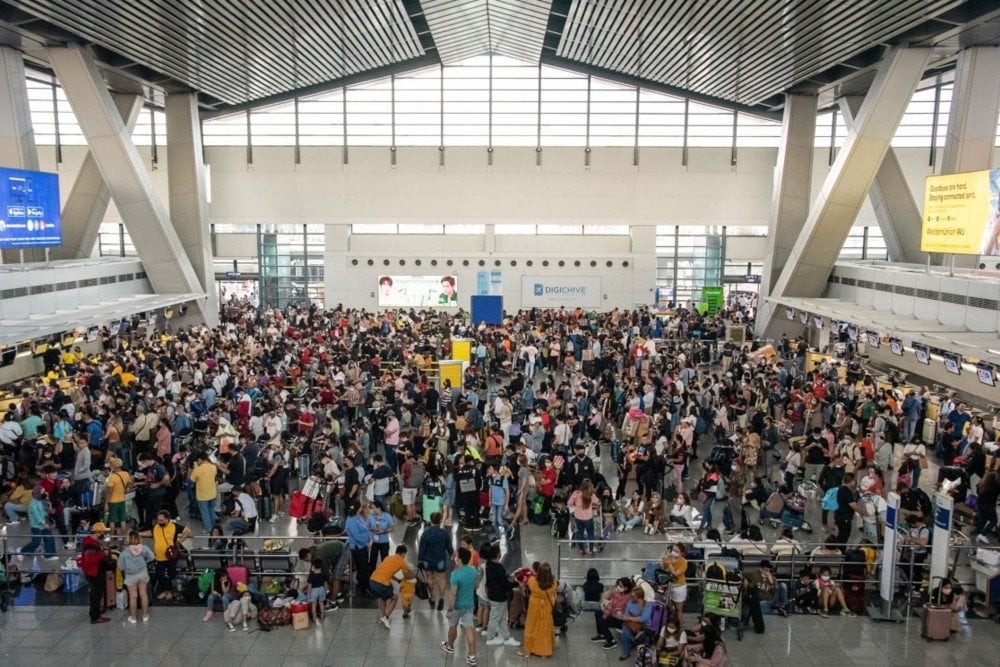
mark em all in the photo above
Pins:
pixel 264 507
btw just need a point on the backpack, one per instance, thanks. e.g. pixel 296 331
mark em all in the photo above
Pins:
pixel 494 445
pixel 645 656
pixel 716 571
pixel 891 431
pixel 205 581
pixel 829 501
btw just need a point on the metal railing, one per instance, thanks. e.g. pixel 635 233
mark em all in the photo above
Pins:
pixel 910 570
pixel 201 553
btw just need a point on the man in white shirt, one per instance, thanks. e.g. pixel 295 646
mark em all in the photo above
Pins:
pixel 245 517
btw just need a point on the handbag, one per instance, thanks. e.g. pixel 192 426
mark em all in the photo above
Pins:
pixel 923 463
pixel 702 497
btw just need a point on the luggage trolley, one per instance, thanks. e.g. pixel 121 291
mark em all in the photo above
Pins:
pixel 722 591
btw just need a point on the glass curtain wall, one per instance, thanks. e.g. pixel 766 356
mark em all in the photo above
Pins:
pixel 291 264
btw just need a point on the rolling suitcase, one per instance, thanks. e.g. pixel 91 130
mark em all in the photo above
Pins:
pixel 935 622
pixel 110 591
pixel 516 609
pixel 929 432
pixel 264 507
pixel 854 592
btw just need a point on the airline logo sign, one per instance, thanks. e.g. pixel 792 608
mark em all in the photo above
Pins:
pixel 573 291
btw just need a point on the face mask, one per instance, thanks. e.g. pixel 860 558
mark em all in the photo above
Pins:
pixel 825 577
pixel 675 554
pixel 671 630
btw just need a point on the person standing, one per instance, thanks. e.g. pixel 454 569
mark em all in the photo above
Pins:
pixel 433 553
pixel 539 630
pixel 118 483
pixel 847 507
pixel 498 586
pixel 461 600
pixel 81 467
pixel 91 561
pixel 380 523
pixel 133 562
pixel 499 500
pixel 165 534
pixel 41 529
pixel 391 440
pixel 205 492
pixel 359 539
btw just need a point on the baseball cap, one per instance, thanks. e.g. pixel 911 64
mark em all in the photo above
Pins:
pixel 99 527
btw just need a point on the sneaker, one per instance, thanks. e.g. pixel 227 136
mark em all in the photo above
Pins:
pixel 13 523
pixel 611 643
pixel 782 612
pixel 131 620
pixel 980 537
pixel 597 638
pixel 824 613
pixel 484 632
pixel 245 623
pixel 431 603
pixel 847 612
pixel 51 558
pixel 406 614
pixel 20 558
pixel 232 628
pixel 510 641
pixel 471 660
pixel 385 621
pixel 812 610
pixel 447 648
pixel 495 642
pixel 69 545
pixel 273 519
pixel 145 619
pixel 208 616
pixel 440 605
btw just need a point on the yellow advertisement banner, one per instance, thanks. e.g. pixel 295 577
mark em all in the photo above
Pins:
pixel 960 213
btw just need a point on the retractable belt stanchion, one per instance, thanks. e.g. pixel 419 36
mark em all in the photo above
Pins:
pixel 882 610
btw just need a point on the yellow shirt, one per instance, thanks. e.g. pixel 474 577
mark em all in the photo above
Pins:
pixel 384 573
pixel 203 477
pixel 116 485
pixel 163 537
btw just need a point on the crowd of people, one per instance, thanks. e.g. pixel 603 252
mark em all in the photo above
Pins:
pixel 598 423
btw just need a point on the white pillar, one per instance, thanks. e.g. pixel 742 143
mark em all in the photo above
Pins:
pixel 891 197
pixel 792 185
pixel 17 140
pixel 972 122
pixel 188 192
pixel 88 200
pixel 846 186
pixel 156 241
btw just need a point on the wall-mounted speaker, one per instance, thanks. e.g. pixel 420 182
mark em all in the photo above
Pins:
pixel 354 262
pixel 371 262
pixel 530 263
pixel 576 263
pixel 434 262
pixel 625 264
pixel 482 262
pixel 465 262
pixel 402 262
pixel 593 262
pixel 417 262
pixel 562 263
pixel 513 262
pixel 545 262
pixel 385 262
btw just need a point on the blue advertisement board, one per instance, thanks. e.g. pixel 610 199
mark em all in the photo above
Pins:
pixel 29 209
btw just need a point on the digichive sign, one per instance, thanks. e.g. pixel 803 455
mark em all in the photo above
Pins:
pixel 569 291
pixel 961 214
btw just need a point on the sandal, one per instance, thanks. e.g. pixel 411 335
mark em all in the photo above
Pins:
pixel 523 654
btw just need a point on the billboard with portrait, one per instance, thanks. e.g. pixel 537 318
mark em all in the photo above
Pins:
pixel 431 291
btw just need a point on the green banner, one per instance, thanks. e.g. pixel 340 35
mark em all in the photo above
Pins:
pixel 713 297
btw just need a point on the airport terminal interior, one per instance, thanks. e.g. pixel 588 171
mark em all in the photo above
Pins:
pixel 537 283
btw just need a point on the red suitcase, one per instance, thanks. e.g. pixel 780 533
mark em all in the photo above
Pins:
pixel 935 623
pixel 298 506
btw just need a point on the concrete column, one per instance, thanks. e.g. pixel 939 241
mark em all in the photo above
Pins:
pixel 836 207
pixel 17 140
pixel 188 191
pixel 792 185
pixel 88 201
pixel 972 123
pixel 892 199
pixel 155 239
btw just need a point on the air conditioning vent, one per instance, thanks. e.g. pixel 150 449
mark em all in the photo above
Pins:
pixel 865 284
pixel 883 287
pixel 927 294
pixel 850 282
pixel 959 299
pixel 904 290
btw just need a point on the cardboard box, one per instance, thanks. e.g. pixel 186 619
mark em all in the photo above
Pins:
pixel 300 620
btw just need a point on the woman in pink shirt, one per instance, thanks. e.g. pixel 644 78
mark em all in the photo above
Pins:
pixel 583 502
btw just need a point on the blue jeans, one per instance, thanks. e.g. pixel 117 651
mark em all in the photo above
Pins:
pixel 585 529
pixel 779 600
pixel 212 597
pixel 390 458
pixel 706 513
pixel 14 511
pixel 627 640
pixel 38 537
pixel 207 509
pixel 497 520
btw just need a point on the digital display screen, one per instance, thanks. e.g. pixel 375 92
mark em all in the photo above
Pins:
pixel 30 215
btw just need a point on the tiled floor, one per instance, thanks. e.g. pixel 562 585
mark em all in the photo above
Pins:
pixel 177 636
